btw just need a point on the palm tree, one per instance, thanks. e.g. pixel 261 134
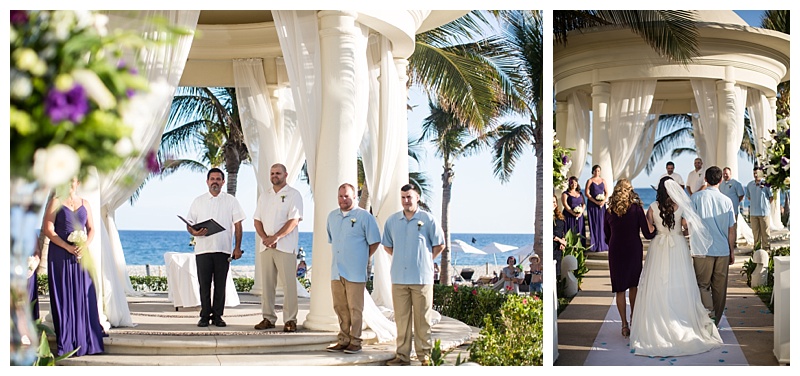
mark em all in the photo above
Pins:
pixel 416 178
pixel 451 138
pixel 206 119
pixel 778 20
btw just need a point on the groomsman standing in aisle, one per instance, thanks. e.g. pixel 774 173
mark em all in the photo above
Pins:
pixel 716 212
pixel 695 182
pixel 760 197
pixel 733 189
pixel 414 240
pixel 354 237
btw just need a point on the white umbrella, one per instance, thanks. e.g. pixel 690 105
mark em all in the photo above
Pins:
pixel 497 248
pixel 522 254
pixel 462 246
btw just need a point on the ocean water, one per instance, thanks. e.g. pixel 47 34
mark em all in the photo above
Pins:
pixel 148 247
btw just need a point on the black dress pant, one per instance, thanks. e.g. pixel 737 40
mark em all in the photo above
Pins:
pixel 212 267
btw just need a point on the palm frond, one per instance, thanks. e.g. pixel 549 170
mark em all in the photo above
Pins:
pixel 512 141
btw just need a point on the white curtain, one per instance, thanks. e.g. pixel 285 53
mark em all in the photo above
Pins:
pixel 641 154
pixel 298 34
pixel 381 148
pixel 628 110
pixel 761 117
pixel 269 138
pixel 705 124
pixel 163 66
pixel 577 131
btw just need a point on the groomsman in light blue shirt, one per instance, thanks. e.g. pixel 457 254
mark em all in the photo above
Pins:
pixel 414 240
pixel 354 237
pixel 716 212
pixel 760 197
pixel 734 191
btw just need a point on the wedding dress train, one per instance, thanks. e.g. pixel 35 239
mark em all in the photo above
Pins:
pixel 669 318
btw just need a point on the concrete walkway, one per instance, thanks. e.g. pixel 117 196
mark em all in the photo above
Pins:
pixel 580 322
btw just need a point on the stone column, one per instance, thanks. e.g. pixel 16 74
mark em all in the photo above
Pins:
pixel 337 147
pixel 729 138
pixel 601 96
pixel 400 177
pixel 562 116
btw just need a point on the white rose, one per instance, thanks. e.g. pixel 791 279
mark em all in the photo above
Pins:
pixel 101 24
pixel 95 88
pixel 55 165
pixel 123 147
pixel 21 86
pixel 62 23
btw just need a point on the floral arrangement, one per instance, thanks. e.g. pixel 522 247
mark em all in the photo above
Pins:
pixel 79 238
pixel 283 198
pixel 600 197
pixel 419 225
pixel 578 209
pixel 561 165
pixel 352 222
pixel 72 95
pixel 775 162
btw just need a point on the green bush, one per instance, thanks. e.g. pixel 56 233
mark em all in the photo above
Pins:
pixel 468 304
pixel 516 340
pixel 765 291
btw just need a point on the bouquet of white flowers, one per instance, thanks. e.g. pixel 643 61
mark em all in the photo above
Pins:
pixel 578 209
pixel 79 238
pixel 33 263
pixel 600 197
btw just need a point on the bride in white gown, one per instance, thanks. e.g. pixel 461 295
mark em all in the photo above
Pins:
pixel 670 319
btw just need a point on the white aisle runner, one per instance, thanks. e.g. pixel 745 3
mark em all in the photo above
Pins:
pixel 611 349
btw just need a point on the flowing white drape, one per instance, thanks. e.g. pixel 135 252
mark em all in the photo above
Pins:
pixel 628 110
pixel 163 66
pixel 641 154
pixel 298 34
pixel 705 124
pixel 380 150
pixel 762 121
pixel 577 130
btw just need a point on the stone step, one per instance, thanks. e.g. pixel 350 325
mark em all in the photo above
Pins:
pixel 370 357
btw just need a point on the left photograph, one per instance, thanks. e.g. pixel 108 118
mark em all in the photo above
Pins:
pixel 276 187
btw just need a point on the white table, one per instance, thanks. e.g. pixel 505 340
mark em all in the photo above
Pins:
pixel 183 288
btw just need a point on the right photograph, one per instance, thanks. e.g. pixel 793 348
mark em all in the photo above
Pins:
pixel 671 187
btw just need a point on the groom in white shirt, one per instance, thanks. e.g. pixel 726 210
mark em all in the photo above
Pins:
pixel 716 212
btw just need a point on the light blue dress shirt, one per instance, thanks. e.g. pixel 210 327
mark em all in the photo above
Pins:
pixel 350 236
pixel 716 212
pixel 412 243
pixel 733 189
pixel 759 199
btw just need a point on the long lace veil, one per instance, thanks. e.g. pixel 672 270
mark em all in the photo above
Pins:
pixel 699 237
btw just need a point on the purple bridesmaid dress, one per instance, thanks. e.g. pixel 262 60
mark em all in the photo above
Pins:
pixel 73 299
pixel 596 215
pixel 572 223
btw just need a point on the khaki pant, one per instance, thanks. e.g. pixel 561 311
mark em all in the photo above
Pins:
pixel 348 303
pixel 276 264
pixel 760 231
pixel 416 300
pixel 712 280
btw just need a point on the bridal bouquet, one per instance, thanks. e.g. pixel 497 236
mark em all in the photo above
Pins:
pixel 72 94
pixel 578 209
pixel 79 238
pixel 600 197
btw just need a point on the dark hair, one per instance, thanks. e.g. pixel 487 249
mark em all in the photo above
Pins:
pixel 511 258
pixel 577 185
pixel 595 167
pixel 348 185
pixel 756 169
pixel 670 164
pixel 213 170
pixel 713 175
pixel 665 204
pixel 409 187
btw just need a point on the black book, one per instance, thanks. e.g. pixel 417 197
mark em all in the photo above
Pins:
pixel 212 226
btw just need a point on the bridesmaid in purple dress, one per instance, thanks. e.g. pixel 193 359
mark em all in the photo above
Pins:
pixel 625 218
pixel 574 208
pixel 596 211
pixel 73 299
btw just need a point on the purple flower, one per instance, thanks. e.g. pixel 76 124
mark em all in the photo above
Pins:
pixel 130 93
pixel 152 162
pixel 19 17
pixel 787 132
pixel 784 161
pixel 71 104
pixel 564 159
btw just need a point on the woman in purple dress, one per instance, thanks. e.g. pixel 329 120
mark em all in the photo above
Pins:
pixel 73 299
pixel 625 218
pixel 596 195
pixel 574 206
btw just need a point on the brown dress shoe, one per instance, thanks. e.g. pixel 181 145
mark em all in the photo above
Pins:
pixel 264 324
pixel 337 347
pixel 352 349
pixel 398 362
pixel 290 326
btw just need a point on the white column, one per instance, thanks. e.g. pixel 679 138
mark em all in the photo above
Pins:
pixel 400 177
pixel 728 136
pixel 775 208
pixel 562 113
pixel 601 95
pixel 337 148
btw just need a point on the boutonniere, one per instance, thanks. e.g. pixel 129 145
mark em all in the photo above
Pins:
pixel 419 225
pixel 352 222
pixel 283 198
